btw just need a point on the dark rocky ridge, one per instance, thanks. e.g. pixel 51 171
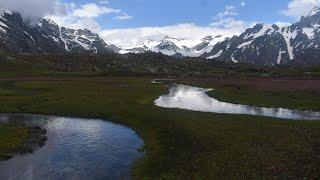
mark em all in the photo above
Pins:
pixel 47 37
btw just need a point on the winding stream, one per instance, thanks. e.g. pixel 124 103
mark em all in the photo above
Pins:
pixel 76 149
pixel 196 99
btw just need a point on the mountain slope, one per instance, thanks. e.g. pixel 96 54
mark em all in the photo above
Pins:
pixel 271 44
pixel 176 47
pixel 47 37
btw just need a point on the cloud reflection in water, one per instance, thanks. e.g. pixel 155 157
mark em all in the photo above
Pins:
pixel 196 99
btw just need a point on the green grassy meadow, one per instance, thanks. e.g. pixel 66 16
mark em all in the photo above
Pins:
pixel 181 144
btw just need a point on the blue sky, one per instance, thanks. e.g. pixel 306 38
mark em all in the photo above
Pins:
pixel 201 12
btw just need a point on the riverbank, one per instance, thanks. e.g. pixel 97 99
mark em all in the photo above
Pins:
pixel 302 94
pixel 181 144
pixel 76 149
pixel 19 139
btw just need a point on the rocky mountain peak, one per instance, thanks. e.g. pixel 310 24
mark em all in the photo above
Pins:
pixel 275 27
pixel 172 38
pixel 47 37
pixel 167 44
pixel 314 12
pixel 13 17
pixel 313 17
pixel 270 45
pixel 207 38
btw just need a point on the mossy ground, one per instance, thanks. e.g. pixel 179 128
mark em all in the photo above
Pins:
pixel 12 139
pixel 181 144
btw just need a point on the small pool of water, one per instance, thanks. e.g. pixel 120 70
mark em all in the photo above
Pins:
pixel 76 149
pixel 196 99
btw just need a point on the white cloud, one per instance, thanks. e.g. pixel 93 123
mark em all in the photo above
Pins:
pixel 243 3
pixel 93 10
pixel 84 16
pixel 132 37
pixel 282 24
pixel 34 8
pixel 228 11
pixel 224 24
pixel 104 2
pixel 298 8
pixel 229 23
pixel 225 19
pixel 123 16
pixel 76 23
pixel 69 15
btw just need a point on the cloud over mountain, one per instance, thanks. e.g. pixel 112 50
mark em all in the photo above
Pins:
pixel 34 8
pixel 298 8
pixel 224 23
pixel 131 37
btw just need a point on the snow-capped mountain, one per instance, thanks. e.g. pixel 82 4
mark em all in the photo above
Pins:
pixel 206 45
pixel 271 44
pixel 46 37
pixel 177 47
pixel 262 44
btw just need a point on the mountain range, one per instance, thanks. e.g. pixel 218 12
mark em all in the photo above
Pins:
pixel 262 44
pixel 46 36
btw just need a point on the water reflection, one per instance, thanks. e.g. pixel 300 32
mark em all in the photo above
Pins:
pixel 159 81
pixel 196 99
pixel 76 149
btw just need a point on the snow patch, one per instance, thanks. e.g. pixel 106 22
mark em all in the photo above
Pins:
pixel 244 44
pixel 280 56
pixel 45 36
pixel 183 42
pixel 5 11
pixel 85 46
pixel 288 36
pixel 63 40
pixel 314 11
pixel 167 52
pixel 3 25
pixel 40 24
pixel 228 46
pixel 262 32
pixel 211 43
pixel 216 55
pixel 233 59
pixel 3 30
pixel 297 45
pixel 29 36
pixel 55 38
pixel 309 32
pixel 265 28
